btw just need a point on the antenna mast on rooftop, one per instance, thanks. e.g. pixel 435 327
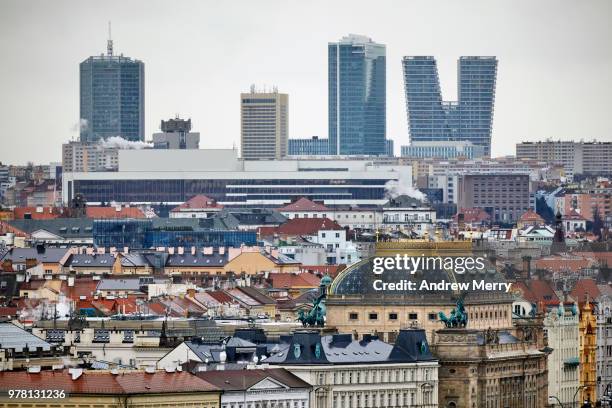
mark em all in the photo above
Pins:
pixel 109 42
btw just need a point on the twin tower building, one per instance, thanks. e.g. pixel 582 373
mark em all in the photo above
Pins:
pixel 112 104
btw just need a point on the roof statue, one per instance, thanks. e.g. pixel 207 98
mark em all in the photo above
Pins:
pixel 458 316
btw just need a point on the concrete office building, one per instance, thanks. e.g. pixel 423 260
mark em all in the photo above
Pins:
pixel 443 150
pixel 505 197
pixel 111 97
pixel 357 96
pixel 470 118
pixel 588 158
pixel 176 134
pixel 151 176
pixel 264 125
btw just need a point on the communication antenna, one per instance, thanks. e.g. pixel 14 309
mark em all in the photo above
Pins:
pixel 109 42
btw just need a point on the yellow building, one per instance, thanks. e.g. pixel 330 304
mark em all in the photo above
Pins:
pixel 104 389
pixel 251 263
pixel 588 352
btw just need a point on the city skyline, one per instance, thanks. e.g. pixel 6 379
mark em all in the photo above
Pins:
pixel 201 58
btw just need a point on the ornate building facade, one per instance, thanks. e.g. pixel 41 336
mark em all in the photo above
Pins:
pixel 588 352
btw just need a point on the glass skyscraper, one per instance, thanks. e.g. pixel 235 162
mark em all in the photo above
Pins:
pixel 357 96
pixel 470 118
pixel 112 97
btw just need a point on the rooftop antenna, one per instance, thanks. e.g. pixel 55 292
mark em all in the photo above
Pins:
pixel 109 42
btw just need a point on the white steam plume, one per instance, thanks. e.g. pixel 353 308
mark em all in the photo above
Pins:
pixel 118 142
pixel 403 186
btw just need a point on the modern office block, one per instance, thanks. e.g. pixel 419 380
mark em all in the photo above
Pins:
pixel 315 146
pixel 357 96
pixel 111 97
pixel 264 125
pixel 176 134
pixel 470 118
pixel 443 150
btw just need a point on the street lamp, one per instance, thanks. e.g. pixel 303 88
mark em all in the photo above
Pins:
pixel 558 401
pixel 576 393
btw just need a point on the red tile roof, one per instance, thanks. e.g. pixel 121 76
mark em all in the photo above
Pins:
pixel 294 280
pixel 198 202
pixel 564 263
pixel 307 226
pixel 85 286
pixel 574 216
pixel 536 291
pixel 331 270
pixel 304 204
pixel 37 213
pixel 111 212
pixel 584 287
pixel 103 382
pixel 472 215
pixel 531 216
pixel 220 296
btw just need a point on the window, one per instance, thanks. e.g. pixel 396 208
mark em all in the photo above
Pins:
pixel 353 316
pixel 392 316
pixel 432 316
pixel 373 316
pixel 412 316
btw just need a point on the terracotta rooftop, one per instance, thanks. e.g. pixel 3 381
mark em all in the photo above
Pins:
pixel 472 215
pixel 564 263
pixel 37 213
pixel 531 216
pixel 584 287
pixel 103 382
pixel 198 202
pixel 294 280
pixel 536 291
pixel 574 216
pixel 113 212
pixel 304 204
pixel 307 226
pixel 331 270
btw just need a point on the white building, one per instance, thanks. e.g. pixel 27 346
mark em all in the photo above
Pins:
pixel 561 327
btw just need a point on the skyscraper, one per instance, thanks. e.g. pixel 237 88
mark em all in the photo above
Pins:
pixel 357 96
pixel 264 127
pixel 112 97
pixel 468 119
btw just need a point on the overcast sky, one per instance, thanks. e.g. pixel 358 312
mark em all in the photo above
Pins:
pixel 554 75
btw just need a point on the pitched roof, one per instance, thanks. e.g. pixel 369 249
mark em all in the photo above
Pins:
pixel 44 254
pixel 573 216
pixel 564 263
pixel 113 212
pixel 198 202
pixel 220 296
pixel 104 382
pixel 91 260
pixel 331 270
pixel 255 294
pixel 472 215
pixel 307 226
pixel 531 216
pixel 536 291
pixel 83 287
pixel 304 204
pixel 62 227
pixel 584 287
pixel 238 380
pixel 197 260
pixel 294 280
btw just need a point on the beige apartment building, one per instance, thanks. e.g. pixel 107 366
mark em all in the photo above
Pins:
pixel 264 125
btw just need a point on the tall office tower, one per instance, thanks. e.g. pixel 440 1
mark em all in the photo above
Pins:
pixel 176 134
pixel 264 125
pixel 112 97
pixel 357 96
pixel 470 118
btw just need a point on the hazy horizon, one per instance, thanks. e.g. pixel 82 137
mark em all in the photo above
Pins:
pixel 553 77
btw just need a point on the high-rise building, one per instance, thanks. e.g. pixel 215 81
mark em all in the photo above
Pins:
pixel 176 134
pixel 443 150
pixel 469 118
pixel 112 97
pixel 264 125
pixel 357 96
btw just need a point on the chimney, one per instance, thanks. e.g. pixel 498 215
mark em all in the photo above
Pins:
pixel 71 280
pixel 526 270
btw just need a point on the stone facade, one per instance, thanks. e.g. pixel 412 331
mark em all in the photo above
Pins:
pixel 491 369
